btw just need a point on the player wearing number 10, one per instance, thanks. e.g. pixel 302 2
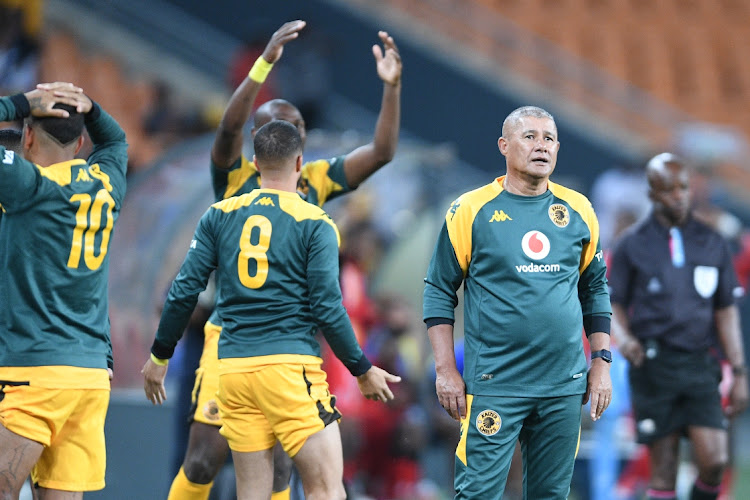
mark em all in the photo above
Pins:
pixel 55 349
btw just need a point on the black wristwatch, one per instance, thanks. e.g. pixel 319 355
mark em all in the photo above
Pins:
pixel 604 354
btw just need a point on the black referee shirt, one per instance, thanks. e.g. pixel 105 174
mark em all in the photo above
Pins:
pixel 672 304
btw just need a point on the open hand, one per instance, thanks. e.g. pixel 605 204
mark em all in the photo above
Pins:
pixel 388 62
pixel 153 381
pixel 275 47
pixel 373 384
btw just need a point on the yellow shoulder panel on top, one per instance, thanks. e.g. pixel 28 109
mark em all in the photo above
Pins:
pixel 235 202
pixel 239 176
pixel 60 173
pixel 582 206
pixel 460 218
pixel 315 173
pixel 96 172
pixel 302 210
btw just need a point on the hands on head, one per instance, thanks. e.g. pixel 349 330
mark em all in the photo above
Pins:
pixel 373 384
pixel 44 97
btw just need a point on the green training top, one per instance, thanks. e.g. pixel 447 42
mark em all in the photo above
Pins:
pixel 532 270
pixel 276 259
pixel 54 243
pixel 320 181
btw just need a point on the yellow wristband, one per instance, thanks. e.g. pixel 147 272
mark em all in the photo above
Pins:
pixel 260 70
pixel 160 362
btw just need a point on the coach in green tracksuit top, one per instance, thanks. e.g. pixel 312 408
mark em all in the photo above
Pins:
pixel 276 258
pixel 55 347
pixel 527 252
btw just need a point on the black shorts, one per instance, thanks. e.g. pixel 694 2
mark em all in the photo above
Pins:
pixel 673 390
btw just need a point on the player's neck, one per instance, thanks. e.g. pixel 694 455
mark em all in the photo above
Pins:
pixel 523 186
pixel 289 185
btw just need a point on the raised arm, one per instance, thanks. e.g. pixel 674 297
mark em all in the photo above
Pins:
pixel 366 160
pixel 228 142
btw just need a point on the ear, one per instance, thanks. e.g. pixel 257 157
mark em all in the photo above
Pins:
pixel 298 168
pixel 79 144
pixel 28 137
pixel 502 145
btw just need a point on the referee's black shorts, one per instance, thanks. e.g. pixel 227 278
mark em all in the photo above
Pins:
pixel 673 390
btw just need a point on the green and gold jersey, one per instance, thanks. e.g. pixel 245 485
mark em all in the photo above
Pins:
pixel 276 259
pixel 320 181
pixel 532 269
pixel 54 242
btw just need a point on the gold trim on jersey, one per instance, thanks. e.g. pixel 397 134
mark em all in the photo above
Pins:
pixel 315 173
pixel 60 173
pixel 236 202
pixel 582 205
pixel 239 176
pixel 460 218
pixel 96 173
pixel 289 202
pixel 302 210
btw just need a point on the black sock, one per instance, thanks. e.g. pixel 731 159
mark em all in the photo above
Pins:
pixel 703 491
pixel 654 494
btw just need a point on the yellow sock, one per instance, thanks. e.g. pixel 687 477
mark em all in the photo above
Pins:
pixel 183 489
pixel 282 495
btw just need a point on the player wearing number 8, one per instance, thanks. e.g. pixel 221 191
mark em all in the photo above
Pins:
pixel 276 259
pixel 55 349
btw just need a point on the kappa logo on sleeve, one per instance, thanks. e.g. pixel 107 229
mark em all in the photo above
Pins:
pixel 194 244
pixel 9 156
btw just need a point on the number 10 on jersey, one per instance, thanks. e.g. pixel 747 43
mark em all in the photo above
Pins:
pixel 88 224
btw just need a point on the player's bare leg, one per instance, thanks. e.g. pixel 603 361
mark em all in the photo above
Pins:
pixel 206 454
pixel 254 472
pixel 282 470
pixel 17 457
pixel 320 464
pixel 46 494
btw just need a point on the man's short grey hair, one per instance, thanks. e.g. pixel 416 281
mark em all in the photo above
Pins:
pixel 515 116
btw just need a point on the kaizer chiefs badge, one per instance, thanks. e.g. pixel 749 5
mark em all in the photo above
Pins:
pixel 489 422
pixel 558 213
pixel 211 411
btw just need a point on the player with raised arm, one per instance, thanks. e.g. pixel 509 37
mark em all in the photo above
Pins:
pixel 276 259
pixel 233 174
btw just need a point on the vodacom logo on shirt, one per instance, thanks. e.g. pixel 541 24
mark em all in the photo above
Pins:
pixel 535 245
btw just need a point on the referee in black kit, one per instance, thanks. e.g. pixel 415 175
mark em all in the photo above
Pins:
pixel 673 292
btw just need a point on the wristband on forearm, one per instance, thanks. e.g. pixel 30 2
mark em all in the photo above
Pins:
pixel 160 362
pixel 23 108
pixel 260 70
pixel 739 370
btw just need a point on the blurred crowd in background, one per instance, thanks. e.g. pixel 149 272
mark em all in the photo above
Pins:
pixel 403 450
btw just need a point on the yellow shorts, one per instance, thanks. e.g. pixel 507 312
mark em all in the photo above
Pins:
pixel 288 402
pixel 69 422
pixel 204 408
